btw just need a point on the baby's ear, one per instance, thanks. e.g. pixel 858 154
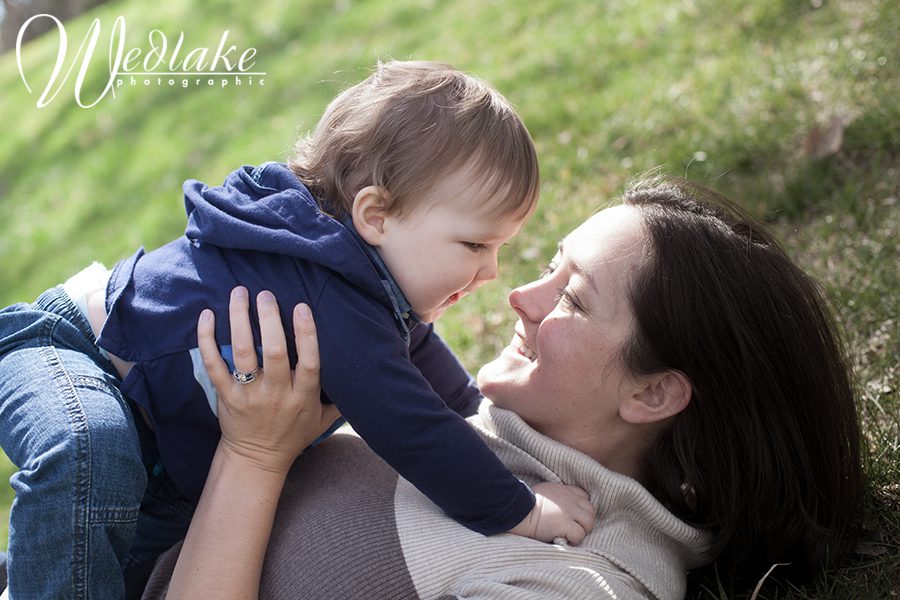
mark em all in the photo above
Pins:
pixel 369 212
pixel 657 397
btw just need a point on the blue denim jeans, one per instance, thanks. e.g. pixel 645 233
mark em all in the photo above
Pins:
pixel 84 461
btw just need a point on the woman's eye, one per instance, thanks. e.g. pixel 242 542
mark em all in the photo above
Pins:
pixel 568 299
pixel 547 270
pixel 474 246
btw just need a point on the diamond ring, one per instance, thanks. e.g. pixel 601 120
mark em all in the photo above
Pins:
pixel 245 377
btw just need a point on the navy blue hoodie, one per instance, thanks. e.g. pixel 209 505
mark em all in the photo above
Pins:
pixel 403 392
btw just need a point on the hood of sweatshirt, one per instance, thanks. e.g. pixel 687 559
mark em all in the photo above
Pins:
pixel 268 209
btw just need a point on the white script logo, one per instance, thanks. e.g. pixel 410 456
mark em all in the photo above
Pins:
pixel 135 66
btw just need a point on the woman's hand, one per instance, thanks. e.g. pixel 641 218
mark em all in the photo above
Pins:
pixel 271 419
pixel 265 423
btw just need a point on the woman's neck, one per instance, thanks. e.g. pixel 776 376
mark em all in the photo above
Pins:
pixel 622 449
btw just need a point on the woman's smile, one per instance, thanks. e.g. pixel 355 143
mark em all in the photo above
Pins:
pixel 521 346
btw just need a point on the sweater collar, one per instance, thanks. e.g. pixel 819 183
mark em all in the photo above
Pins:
pixel 633 529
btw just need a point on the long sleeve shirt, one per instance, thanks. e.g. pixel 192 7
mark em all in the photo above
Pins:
pixel 402 390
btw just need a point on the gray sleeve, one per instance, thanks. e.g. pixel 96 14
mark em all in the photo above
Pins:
pixel 334 539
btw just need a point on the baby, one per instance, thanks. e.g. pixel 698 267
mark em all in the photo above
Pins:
pixel 393 210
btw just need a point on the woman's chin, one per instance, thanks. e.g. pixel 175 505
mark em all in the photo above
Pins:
pixel 501 371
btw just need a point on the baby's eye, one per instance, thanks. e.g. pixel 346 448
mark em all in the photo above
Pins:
pixel 474 246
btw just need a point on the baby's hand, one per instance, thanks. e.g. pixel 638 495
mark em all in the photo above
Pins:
pixel 560 511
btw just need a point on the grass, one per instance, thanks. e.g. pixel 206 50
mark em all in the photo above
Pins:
pixel 723 91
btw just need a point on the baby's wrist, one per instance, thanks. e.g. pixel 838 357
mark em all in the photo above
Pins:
pixel 527 527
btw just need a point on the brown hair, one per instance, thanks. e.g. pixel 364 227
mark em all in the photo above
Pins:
pixel 409 124
pixel 766 455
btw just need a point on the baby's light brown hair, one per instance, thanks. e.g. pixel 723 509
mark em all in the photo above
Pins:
pixel 408 125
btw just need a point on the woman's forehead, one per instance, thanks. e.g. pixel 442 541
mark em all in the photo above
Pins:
pixel 604 253
pixel 611 234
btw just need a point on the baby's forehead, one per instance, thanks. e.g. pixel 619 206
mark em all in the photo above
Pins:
pixel 479 213
pixel 481 188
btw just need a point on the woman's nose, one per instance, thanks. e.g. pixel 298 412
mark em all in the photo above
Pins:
pixel 526 301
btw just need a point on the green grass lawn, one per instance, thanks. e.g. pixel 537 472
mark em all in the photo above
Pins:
pixel 737 94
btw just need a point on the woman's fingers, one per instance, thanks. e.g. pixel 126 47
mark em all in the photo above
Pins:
pixel 275 357
pixel 273 419
pixel 306 375
pixel 242 346
pixel 209 350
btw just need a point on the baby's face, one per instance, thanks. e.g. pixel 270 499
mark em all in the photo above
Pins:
pixel 447 247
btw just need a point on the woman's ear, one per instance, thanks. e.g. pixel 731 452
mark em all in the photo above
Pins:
pixel 656 398
pixel 369 212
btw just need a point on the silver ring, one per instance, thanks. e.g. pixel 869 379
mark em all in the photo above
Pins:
pixel 245 377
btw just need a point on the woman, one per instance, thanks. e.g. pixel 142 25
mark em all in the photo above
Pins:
pixel 672 361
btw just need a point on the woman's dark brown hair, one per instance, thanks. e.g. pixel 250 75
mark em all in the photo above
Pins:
pixel 766 455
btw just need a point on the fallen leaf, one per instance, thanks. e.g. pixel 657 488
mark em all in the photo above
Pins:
pixel 825 141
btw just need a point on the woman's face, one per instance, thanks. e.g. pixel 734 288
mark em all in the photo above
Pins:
pixel 561 372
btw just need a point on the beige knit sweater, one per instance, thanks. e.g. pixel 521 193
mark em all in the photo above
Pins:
pixel 349 527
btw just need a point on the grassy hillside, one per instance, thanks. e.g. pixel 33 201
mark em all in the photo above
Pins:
pixel 738 94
